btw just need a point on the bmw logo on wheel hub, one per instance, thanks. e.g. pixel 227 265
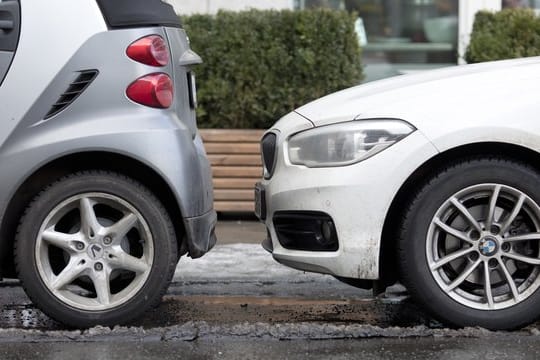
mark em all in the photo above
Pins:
pixel 488 246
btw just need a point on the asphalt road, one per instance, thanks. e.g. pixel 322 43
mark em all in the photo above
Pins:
pixel 237 303
pixel 510 347
pixel 240 232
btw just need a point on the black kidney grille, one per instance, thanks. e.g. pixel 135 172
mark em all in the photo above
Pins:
pixel 74 90
pixel 268 150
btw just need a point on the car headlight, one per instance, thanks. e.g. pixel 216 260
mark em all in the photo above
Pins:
pixel 345 143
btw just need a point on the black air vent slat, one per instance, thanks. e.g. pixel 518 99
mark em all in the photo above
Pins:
pixel 67 98
pixel 62 103
pixel 87 76
pixel 81 82
pixel 74 90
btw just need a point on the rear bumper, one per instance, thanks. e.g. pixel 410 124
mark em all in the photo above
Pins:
pixel 200 234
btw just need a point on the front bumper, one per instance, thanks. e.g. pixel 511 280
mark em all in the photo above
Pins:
pixel 357 199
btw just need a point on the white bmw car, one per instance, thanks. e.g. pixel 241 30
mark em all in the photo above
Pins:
pixel 432 180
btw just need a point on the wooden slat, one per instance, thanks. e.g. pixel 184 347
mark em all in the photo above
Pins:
pixel 236 167
pixel 222 183
pixel 235 195
pixel 236 171
pixel 247 206
pixel 214 135
pixel 253 160
pixel 228 148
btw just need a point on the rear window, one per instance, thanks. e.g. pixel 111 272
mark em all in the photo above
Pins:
pixel 138 13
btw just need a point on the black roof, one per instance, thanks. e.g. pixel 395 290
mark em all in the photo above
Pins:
pixel 137 13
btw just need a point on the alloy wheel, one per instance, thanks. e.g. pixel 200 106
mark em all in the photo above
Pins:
pixel 94 251
pixel 483 246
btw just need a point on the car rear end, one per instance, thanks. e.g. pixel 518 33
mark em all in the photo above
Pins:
pixel 160 49
pixel 122 82
pixel 103 94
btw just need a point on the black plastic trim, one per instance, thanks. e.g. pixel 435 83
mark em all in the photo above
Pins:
pixel 268 153
pixel 10 19
pixel 303 230
pixel 138 13
pixel 74 90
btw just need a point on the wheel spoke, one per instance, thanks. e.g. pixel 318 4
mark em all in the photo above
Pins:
pixel 464 275
pixel 509 279
pixel 487 285
pixel 524 237
pixel 522 258
pixel 463 210
pixel 492 205
pixel 89 222
pixel 456 255
pixel 124 261
pixel 71 272
pixel 101 280
pixel 59 239
pixel 454 232
pixel 122 227
pixel 512 216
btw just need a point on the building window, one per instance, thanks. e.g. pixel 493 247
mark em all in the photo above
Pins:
pixel 534 4
pixel 402 36
pixel 333 4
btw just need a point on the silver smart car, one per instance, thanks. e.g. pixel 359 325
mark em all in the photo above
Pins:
pixel 104 179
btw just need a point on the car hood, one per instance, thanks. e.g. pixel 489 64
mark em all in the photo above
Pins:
pixel 429 98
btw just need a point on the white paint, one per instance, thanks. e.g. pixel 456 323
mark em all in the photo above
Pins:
pixel 489 102
pixel 188 7
pixel 467 12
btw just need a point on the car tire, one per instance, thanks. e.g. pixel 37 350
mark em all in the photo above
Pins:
pixel 470 244
pixel 95 248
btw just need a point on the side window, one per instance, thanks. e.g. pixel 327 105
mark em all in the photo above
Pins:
pixel 10 27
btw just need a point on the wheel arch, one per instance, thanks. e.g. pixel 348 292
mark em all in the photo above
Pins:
pixel 388 264
pixel 67 164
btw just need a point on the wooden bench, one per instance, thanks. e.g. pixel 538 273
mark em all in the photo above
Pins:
pixel 236 166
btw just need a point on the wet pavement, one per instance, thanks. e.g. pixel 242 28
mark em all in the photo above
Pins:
pixel 510 347
pixel 252 288
pixel 238 303
pixel 240 232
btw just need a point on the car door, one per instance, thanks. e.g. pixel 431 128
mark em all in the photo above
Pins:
pixel 10 24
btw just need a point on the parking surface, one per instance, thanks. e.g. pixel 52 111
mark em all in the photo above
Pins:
pixel 236 302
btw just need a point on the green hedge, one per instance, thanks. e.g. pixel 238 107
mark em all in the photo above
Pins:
pixel 508 34
pixel 259 65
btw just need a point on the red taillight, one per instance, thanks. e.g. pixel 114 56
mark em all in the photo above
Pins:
pixel 154 90
pixel 150 50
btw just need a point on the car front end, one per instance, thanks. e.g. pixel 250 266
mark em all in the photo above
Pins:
pixel 429 179
pixel 327 189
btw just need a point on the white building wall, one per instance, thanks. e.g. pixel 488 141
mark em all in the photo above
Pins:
pixel 188 7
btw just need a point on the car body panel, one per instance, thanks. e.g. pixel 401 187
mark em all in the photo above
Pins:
pixel 103 118
pixel 448 107
pixel 49 54
pixel 342 193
